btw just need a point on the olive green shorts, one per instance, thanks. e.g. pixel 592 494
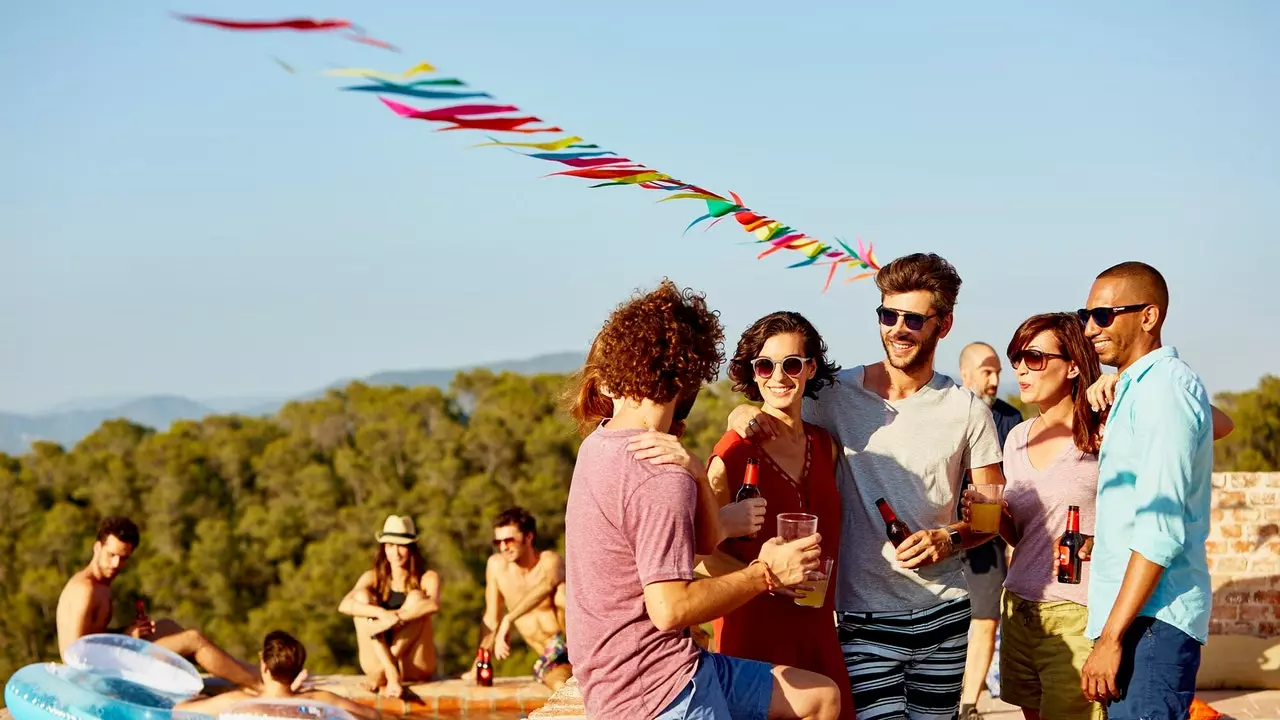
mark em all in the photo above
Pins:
pixel 1042 650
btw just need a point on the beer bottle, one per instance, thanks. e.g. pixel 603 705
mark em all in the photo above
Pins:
pixel 897 530
pixel 484 669
pixel 1069 545
pixel 750 485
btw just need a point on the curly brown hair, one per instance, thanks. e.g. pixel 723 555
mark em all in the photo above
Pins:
pixel 753 340
pixel 661 345
pixel 922 271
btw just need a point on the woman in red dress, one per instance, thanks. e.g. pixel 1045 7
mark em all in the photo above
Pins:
pixel 781 359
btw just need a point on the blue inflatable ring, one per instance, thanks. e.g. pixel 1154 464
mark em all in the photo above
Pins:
pixel 137 661
pixel 51 691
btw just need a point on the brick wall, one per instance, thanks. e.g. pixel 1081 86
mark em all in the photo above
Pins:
pixel 1244 562
pixel 1244 554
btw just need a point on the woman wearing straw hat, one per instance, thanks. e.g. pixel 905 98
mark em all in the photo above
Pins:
pixel 392 605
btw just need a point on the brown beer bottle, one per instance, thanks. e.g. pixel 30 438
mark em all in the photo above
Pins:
pixel 750 484
pixel 897 530
pixel 484 669
pixel 1068 550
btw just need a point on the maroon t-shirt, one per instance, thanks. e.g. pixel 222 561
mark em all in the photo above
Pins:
pixel 628 524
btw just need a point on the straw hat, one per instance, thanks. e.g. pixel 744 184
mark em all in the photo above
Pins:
pixel 398 530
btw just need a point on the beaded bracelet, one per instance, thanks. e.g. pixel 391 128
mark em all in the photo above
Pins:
pixel 771 581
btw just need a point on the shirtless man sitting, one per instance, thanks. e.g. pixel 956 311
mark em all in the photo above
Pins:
pixel 282 658
pixel 84 608
pixel 530 584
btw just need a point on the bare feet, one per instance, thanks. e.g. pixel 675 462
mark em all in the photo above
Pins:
pixel 394 689
pixel 373 683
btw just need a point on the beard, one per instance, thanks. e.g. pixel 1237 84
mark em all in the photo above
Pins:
pixel 988 398
pixel 918 357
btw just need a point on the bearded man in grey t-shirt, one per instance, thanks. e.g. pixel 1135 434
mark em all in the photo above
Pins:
pixel 909 434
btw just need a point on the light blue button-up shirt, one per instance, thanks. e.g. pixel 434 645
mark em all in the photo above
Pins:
pixel 1154 476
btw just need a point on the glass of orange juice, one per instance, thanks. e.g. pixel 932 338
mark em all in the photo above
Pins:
pixel 818 579
pixel 984 508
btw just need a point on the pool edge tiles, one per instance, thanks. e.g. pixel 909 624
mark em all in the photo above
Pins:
pixel 447 697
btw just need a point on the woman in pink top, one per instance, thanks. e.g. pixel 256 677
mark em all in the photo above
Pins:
pixel 1050 465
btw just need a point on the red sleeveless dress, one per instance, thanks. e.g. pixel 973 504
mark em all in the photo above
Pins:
pixel 773 628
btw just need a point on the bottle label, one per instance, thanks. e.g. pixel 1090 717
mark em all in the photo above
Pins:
pixel 1064 557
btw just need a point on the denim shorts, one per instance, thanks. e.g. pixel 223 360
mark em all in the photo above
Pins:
pixel 724 687
pixel 1157 675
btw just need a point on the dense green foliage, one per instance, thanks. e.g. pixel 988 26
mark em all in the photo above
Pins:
pixel 1255 444
pixel 254 524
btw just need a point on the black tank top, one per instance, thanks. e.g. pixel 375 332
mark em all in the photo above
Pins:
pixel 395 600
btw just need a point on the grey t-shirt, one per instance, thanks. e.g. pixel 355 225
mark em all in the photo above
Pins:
pixel 913 453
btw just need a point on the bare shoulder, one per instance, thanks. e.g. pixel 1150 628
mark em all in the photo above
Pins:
pixel 367 579
pixel 496 563
pixel 81 590
pixel 329 698
pixel 430 577
pixel 551 558
pixel 216 704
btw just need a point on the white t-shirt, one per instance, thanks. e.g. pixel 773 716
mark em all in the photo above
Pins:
pixel 913 453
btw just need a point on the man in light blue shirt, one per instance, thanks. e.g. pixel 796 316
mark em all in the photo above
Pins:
pixel 1149 590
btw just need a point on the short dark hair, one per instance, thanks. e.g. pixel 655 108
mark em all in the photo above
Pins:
pixel 1145 277
pixel 779 323
pixel 283 655
pixel 122 528
pixel 922 271
pixel 519 517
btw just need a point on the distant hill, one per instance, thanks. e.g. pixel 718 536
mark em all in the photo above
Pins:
pixel 71 421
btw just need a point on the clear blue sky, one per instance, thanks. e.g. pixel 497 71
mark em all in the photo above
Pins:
pixel 180 215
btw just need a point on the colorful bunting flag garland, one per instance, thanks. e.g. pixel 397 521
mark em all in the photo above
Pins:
pixel 593 164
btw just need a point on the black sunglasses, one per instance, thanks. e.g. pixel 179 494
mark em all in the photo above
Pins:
pixel 1104 316
pixel 792 365
pixel 1035 359
pixel 913 321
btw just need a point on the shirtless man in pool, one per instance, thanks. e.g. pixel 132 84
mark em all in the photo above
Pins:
pixel 281 666
pixel 530 587
pixel 84 608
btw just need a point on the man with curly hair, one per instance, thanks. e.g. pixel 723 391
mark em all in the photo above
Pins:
pixel 908 435
pixel 639 509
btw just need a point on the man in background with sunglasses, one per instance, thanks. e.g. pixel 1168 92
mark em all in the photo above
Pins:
pixel 529 585
pixel 908 435
pixel 1149 589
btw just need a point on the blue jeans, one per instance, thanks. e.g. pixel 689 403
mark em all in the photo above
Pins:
pixel 1157 677
pixel 724 687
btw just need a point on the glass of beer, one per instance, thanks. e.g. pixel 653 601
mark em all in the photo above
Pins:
pixel 984 508
pixel 818 579
pixel 793 526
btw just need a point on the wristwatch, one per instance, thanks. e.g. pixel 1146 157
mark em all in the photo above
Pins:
pixel 956 539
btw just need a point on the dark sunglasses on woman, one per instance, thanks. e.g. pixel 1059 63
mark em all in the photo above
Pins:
pixel 792 365
pixel 1035 359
